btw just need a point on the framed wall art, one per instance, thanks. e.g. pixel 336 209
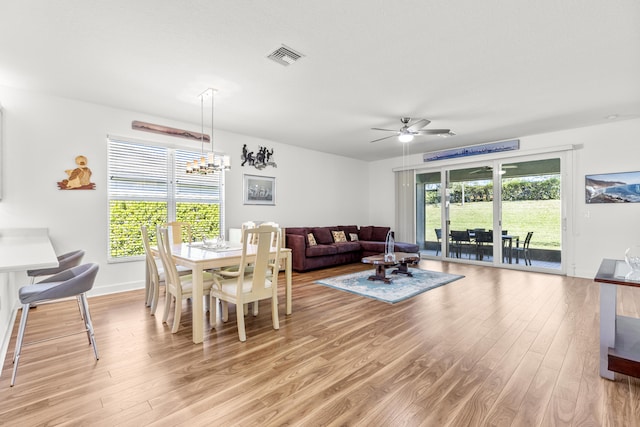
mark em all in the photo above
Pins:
pixel 621 187
pixel 259 190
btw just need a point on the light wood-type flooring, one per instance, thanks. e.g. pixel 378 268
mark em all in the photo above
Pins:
pixel 499 347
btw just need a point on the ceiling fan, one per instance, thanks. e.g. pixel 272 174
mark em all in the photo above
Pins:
pixel 408 131
pixel 489 169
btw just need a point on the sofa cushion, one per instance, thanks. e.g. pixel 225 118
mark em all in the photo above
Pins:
pixel 348 229
pixel 347 247
pixel 321 250
pixel 365 232
pixel 353 237
pixel 311 240
pixel 379 234
pixel 323 235
pixel 338 236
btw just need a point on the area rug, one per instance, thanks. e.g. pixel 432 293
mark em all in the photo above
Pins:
pixel 400 289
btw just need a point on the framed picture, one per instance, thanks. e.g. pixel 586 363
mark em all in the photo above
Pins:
pixel 621 187
pixel 259 190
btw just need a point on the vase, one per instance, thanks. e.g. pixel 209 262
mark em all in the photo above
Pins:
pixel 632 258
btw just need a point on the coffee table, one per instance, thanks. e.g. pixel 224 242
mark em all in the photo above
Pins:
pixel 402 260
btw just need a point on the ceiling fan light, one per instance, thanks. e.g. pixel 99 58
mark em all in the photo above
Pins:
pixel 405 137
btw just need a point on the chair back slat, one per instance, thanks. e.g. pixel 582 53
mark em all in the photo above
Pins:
pixel 265 272
pixel 172 278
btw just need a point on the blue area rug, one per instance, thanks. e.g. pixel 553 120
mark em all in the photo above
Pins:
pixel 401 288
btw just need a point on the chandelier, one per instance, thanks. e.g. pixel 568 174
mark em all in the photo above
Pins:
pixel 211 163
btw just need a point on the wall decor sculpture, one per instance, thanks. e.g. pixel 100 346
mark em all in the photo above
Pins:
pixel 259 160
pixel 621 187
pixel 166 130
pixel 78 178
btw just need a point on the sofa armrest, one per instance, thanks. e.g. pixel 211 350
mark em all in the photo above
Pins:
pixel 298 247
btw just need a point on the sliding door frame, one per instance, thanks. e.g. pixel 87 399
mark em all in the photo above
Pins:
pixel 563 153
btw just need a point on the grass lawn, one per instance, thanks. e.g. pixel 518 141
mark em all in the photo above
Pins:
pixel 540 216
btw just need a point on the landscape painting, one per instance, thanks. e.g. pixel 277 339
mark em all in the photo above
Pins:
pixel 613 188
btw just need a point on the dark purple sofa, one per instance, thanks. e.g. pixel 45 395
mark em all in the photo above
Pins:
pixel 327 253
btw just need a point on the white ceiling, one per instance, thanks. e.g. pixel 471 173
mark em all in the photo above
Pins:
pixel 489 70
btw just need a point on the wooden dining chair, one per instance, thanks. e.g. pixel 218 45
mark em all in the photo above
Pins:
pixel 262 283
pixel 155 272
pixel 177 287
pixel 180 231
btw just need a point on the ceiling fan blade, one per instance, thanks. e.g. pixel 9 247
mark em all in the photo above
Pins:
pixel 386 137
pixel 433 131
pixel 386 130
pixel 418 125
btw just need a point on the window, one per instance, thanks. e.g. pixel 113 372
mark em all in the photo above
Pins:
pixel 148 185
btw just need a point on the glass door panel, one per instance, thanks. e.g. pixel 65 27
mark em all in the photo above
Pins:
pixel 532 213
pixel 429 213
pixel 470 213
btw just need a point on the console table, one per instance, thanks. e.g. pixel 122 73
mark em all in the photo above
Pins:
pixel 619 335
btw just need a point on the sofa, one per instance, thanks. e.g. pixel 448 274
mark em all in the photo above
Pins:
pixel 318 247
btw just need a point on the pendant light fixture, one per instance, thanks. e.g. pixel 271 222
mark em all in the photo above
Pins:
pixel 209 164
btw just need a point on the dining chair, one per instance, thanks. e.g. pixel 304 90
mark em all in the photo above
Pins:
pixel 155 272
pixel 484 243
pixel 460 239
pixel 179 229
pixel 524 249
pixel 260 284
pixel 438 239
pixel 73 282
pixel 177 287
pixel 65 262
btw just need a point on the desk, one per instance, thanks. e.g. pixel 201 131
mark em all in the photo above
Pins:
pixel 199 259
pixel 619 335
pixel 21 249
pixel 24 249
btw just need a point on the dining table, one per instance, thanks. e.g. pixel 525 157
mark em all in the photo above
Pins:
pixel 199 258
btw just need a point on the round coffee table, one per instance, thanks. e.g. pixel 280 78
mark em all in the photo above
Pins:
pixel 401 259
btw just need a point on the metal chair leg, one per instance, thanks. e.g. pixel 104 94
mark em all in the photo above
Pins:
pixel 89 325
pixel 16 353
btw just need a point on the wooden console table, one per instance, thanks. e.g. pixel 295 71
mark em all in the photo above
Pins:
pixel 619 335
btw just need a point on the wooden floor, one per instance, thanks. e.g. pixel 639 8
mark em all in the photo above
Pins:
pixel 499 347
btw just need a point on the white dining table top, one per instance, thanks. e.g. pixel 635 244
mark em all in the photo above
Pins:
pixel 26 249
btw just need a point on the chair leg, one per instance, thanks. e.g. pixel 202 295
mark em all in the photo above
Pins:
pixel 225 311
pixel 240 321
pixel 213 311
pixel 155 296
pixel 274 311
pixel 89 324
pixel 255 308
pixel 176 316
pixel 16 353
pixel 167 306
pixel 80 307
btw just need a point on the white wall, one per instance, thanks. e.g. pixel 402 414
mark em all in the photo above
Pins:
pixel 597 230
pixel 43 135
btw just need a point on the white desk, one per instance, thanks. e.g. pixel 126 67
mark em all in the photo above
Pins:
pixel 24 249
pixel 199 259
pixel 21 249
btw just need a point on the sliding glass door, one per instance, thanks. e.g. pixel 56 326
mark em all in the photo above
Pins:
pixel 469 213
pixel 500 212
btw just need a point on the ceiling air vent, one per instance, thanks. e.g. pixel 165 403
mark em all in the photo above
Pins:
pixel 285 55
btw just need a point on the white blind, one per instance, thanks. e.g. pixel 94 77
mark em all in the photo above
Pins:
pixel 137 172
pixel 193 187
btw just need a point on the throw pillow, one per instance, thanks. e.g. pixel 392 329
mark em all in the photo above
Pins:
pixel 312 240
pixel 339 236
pixel 353 237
